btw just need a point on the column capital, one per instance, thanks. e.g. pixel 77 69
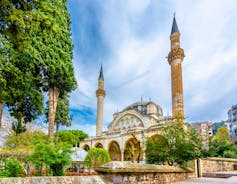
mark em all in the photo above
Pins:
pixel 176 53
pixel 100 92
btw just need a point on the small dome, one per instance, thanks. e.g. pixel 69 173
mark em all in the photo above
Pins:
pixel 78 155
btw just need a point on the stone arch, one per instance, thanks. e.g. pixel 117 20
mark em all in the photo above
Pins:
pixel 99 145
pixel 114 151
pixel 86 147
pixel 127 113
pixel 132 150
pixel 157 137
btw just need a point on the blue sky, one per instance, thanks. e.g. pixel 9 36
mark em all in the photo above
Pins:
pixel 131 39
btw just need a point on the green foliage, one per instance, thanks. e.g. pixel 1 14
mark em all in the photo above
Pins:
pixel 27 140
pixel 56 156
pixel 22 93
pixel 71 137
pixel 36 55
pixel 96 157
pixel 54 44
pixel 222 134
pixel 62 116
pixel 3 174
pixel 221 146
pixel 174 145
pixel 18 127
pixel 62 113
pixel 157 149
pixel 13 167
pixel 232 153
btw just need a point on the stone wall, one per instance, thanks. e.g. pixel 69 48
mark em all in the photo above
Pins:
pixel 130 173
pixel 118 178
pixel 217 164
pixel 147 178
pixel 55 180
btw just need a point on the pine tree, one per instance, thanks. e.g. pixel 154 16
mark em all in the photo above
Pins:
pixel 55 49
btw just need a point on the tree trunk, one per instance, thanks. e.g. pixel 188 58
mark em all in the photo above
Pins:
pixel 19 126
pixel 53 99
pixel 41 169
pixel 1 109
pixel 57 127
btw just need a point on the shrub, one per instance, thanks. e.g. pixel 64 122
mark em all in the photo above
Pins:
pixel 230 154
pixel 96 156
pixel 13 167
pixel 3 174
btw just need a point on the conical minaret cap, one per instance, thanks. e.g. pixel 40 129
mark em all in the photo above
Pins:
pixel 175 28
pixel 101 76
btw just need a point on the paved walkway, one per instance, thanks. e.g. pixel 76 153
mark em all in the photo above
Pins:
pixel 231 180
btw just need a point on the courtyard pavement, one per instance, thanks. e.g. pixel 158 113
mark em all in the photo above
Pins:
pixel 231 180
pixel 212 180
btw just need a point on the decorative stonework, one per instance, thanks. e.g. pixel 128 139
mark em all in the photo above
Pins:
pixel 112 127
pixel 100 92
pixel 176 53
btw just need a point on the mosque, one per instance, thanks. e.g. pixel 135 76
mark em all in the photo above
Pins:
pixel 131 127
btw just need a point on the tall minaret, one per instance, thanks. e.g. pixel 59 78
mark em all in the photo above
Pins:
pixel 100 93
pixel 175 59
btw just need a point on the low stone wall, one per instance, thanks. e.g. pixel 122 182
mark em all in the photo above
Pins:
pixel 217 164
pixel 130 173
pixel 55 180
pixel 147 178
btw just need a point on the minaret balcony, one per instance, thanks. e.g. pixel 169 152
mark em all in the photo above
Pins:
pixel 100 92
pixel 177 53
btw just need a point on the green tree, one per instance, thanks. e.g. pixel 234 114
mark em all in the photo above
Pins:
pixel 62 114
pixel 96 157
pixel 27 140
pixel 157 149
pixel 55 48
pixel 222 134
pixel 54 156
pixel 221 146
pixel 71 137
pixel 174 145
pixel 4 47
pixel 41 56
pixel 24 96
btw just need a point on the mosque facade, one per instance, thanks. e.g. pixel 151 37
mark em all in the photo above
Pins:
pixel 127 134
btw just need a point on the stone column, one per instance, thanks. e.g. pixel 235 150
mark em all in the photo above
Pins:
pixel 122 155
pixel 100 112
pixel 175 59
pixel 100 93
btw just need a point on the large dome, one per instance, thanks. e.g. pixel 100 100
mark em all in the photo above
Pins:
pixel 146 108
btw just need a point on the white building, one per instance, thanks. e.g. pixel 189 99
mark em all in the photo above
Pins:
pixel 232 118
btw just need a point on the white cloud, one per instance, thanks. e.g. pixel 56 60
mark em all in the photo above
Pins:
pixel 207 35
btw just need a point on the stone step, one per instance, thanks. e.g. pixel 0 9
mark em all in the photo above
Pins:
pixel 218 175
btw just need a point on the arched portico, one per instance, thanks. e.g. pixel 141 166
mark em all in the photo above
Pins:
pixel 99 145
pixel 114 151
pixel 86 147
pixel 132 150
